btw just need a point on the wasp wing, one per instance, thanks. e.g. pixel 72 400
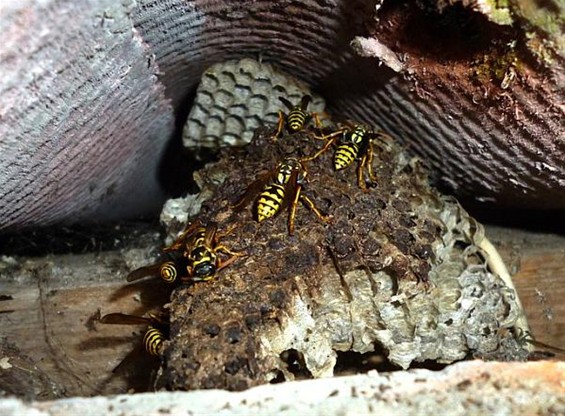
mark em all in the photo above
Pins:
pixel 287 103
pixel 253 190
pixel 139 368
pixel 306 99
pixel 551 348
pixel 152 270
pixel 382 140
pixel 291 190
pixel 123 319
pixel 209 234
pixel 180 241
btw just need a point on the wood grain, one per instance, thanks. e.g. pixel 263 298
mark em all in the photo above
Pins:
pixel 49 303
pixel 83 120
pixel 85 111
pixel 537 262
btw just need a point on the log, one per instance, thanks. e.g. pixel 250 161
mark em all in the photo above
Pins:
pixel 89 92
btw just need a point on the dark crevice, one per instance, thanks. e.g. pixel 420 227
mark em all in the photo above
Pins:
pixel 457 33
pixel 78 239
pixel 175 172
pixel 539 221
pixel 351 362
pixel 294 360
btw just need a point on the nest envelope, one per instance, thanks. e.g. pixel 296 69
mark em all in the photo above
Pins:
pixel 398 268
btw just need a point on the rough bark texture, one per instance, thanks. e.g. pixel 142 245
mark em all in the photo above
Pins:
pixel 478 106
pixel 84 117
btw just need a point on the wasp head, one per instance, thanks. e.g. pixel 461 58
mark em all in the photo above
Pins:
pixel 357 135
pixel 203 265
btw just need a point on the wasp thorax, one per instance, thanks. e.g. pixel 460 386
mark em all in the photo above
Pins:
pixel 285 170
pixel 357 135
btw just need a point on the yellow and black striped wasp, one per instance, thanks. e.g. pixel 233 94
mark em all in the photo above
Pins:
pixel 297 116
pixel 156 333
pixel 355 142
pixel 278 189
pixel 201 248
pixel 169 270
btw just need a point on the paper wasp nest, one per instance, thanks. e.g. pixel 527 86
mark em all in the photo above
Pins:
pixel 234 98
pixel 399 268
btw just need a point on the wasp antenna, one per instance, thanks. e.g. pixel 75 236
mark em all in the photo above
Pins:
pixel 123 319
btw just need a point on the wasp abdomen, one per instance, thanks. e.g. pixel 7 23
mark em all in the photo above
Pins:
pixel 270 201
pixel 296 120
pixel 168 272
pixel 344 155
pixel 153 341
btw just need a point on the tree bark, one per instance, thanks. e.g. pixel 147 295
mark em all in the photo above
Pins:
pixel 89 92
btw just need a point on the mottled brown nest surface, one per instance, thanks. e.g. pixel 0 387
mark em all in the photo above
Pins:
pixel 219 328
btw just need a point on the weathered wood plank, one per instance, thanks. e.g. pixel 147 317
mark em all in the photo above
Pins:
pixel 84 114
pixel 48 305
pixel 537 262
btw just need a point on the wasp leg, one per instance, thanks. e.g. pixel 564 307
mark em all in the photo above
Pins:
pixel 292 209
pixel 319 152
pixel 366 162
pixel 225 250
pixel 310 204
pixel 331 138
pixel 317 121
pixel 369 163
pixel 280 126
pixel 360 179
pixel 335 133
pixel 226 263
pixel 223 234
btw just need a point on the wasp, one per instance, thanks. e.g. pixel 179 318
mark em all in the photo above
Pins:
pixel 297 116
pixel 278 189
pixel 155 335
pixel 201 249
pixel 355 142
pixel 169 271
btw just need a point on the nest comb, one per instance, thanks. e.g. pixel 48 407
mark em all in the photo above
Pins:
pixel 234 98
pixel 357 285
